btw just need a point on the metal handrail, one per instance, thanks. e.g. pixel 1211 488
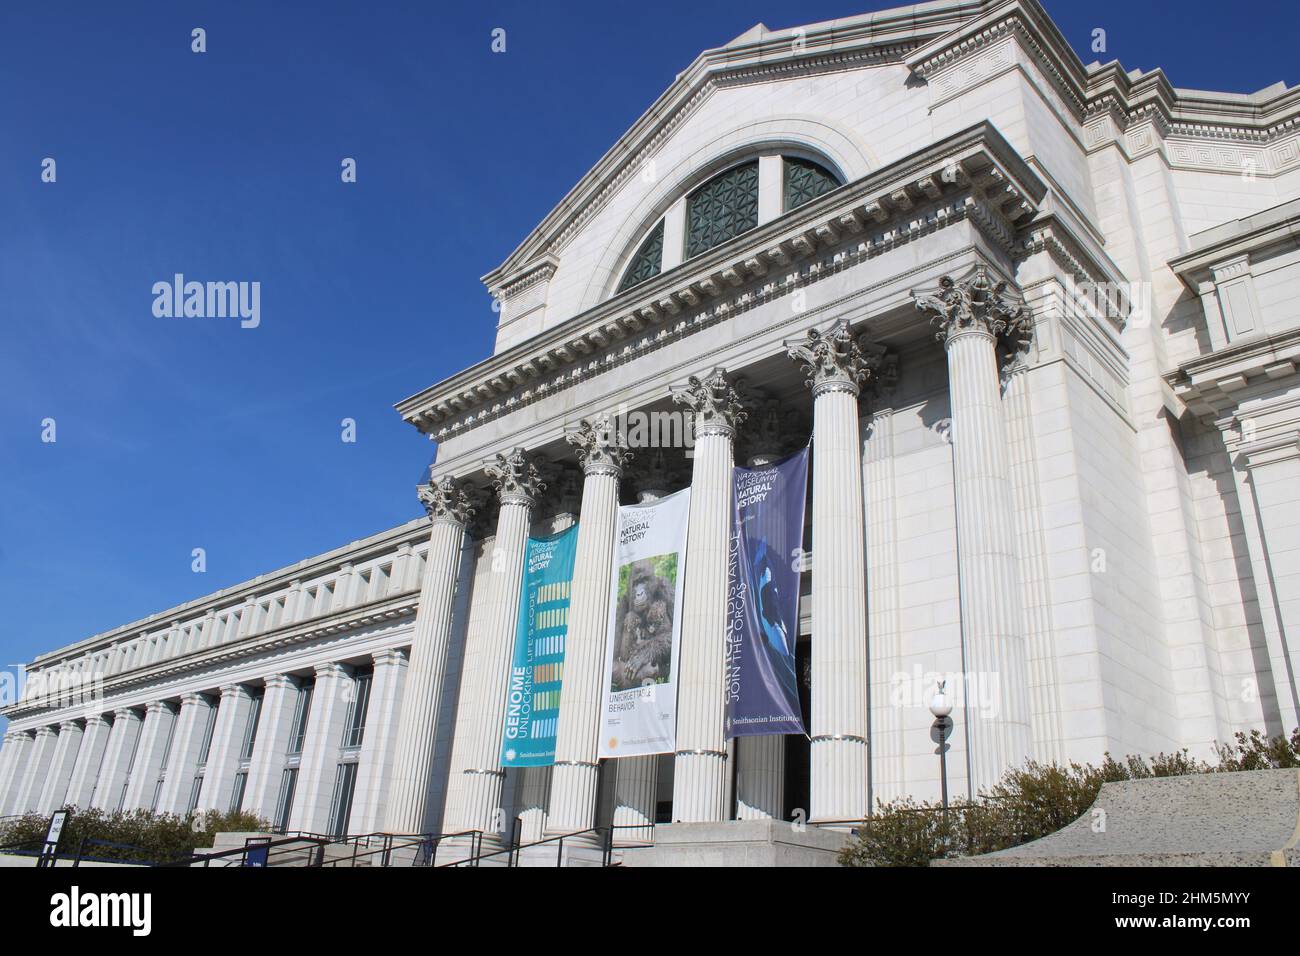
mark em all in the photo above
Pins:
pixel 512 852
pixel 90 841
pixel 242 851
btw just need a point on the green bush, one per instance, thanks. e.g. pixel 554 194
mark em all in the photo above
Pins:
pixel 1032 801
pixel 149 837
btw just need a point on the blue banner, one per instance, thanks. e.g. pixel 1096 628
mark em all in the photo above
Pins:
pixel 533 700
pixel 762 689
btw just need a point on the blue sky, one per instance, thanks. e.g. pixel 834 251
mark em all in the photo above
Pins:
pixel 175 434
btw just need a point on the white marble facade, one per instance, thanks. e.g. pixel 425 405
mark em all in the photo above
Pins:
pixel 1048 322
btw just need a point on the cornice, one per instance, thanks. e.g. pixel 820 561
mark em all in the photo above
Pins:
pixel 972 175
pixel 389 608
pixel 416 530
pixel 1213 384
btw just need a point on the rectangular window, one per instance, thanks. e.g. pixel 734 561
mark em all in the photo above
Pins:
pixel 237 795
pixel 284 804
pixel 250 729
pixel 206 746
pixel 345 783
pixel 355 727
pixel 301 713
pixel 196 788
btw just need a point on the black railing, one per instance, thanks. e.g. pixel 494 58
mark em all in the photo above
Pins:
pixel 603 837
pixel 314 848
pixel 88 842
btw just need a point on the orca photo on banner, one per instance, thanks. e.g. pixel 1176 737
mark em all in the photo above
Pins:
pixel 645 628
pixel 533 700
pixel 762 689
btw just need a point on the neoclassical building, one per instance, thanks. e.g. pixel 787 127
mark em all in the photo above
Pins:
pixel 1037 319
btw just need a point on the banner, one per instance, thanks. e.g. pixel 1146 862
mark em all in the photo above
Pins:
pixel 645 628
pixel 533 700
pixel 762 690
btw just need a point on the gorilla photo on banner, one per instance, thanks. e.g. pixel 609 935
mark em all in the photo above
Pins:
pixel 643 622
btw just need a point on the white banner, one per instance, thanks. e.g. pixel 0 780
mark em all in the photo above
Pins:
pixel 645 629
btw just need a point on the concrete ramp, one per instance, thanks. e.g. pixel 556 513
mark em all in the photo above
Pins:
pixel 1215 819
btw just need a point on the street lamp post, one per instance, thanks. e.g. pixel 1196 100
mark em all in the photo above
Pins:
pixel 941 707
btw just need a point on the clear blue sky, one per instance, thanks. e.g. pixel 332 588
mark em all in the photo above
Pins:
pixel 177 434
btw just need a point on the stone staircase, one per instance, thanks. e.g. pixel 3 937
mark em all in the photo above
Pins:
pixel 1218 819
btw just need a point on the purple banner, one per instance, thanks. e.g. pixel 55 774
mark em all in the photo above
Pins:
pixel 762 690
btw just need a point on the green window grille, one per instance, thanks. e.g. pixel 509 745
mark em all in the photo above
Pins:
pixel 805 181
pixel 647 262
pixel 725 206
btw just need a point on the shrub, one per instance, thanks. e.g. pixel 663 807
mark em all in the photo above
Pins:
pixel 1032 801
pixel 148 837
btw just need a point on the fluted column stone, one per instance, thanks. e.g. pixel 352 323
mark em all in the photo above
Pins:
pixel 118 758
pixel 450 507
pixel 29 791
pixel 518 483
pixel 837 364
pixel 94 742
pixel 17 750
pixel 575 775
pixel 61 765
pixel 701 772
pixel 265 769
pixel 972 314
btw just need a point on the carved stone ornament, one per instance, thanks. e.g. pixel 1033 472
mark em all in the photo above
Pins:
pixel 601 449
pixel 976 303
pixel 516 478
pixel 446 499
pixel 714 403
pixel 840 361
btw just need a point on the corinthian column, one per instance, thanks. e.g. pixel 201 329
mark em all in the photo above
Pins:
pixel 700 772
pixel 575 775
pixel 972 314
pixel 518 484
pixel 410 782
pixel 837 363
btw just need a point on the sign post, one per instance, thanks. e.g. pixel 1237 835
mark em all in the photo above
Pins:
pixel 50 851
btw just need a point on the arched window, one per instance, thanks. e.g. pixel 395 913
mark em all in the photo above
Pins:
pixel 648 260
pixel 805 181
pixel 725 206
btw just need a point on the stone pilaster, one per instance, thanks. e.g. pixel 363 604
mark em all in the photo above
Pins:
pixel 450 507
pixel 575 775
pixel 701 773
pixel 123 740
pixel 29 791
pixel 1044 682
pixel 379 742
pixel 279 702
pixel 183 762
pixel 94 741
pixel 61 766
pixel 17 749
pixel 233 713
pixel 518 484
pixel 155 736
pixel 320 749
pixel 972 314
pixel 837 364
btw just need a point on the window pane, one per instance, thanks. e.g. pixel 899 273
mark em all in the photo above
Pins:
pixel 725 206
pixel 300 716
pixel 250 731
pixel 648 260
pixel 284 805
pixel 237 796
pixel 805 181
pixel 341 807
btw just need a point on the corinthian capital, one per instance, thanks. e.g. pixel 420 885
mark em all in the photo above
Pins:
pixel 446 499
pixel 713 402
pixel 838 360
pixel 975 303
pixel 516 478
pixel 600 447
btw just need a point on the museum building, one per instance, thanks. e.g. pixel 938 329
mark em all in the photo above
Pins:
pixel 1037 320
